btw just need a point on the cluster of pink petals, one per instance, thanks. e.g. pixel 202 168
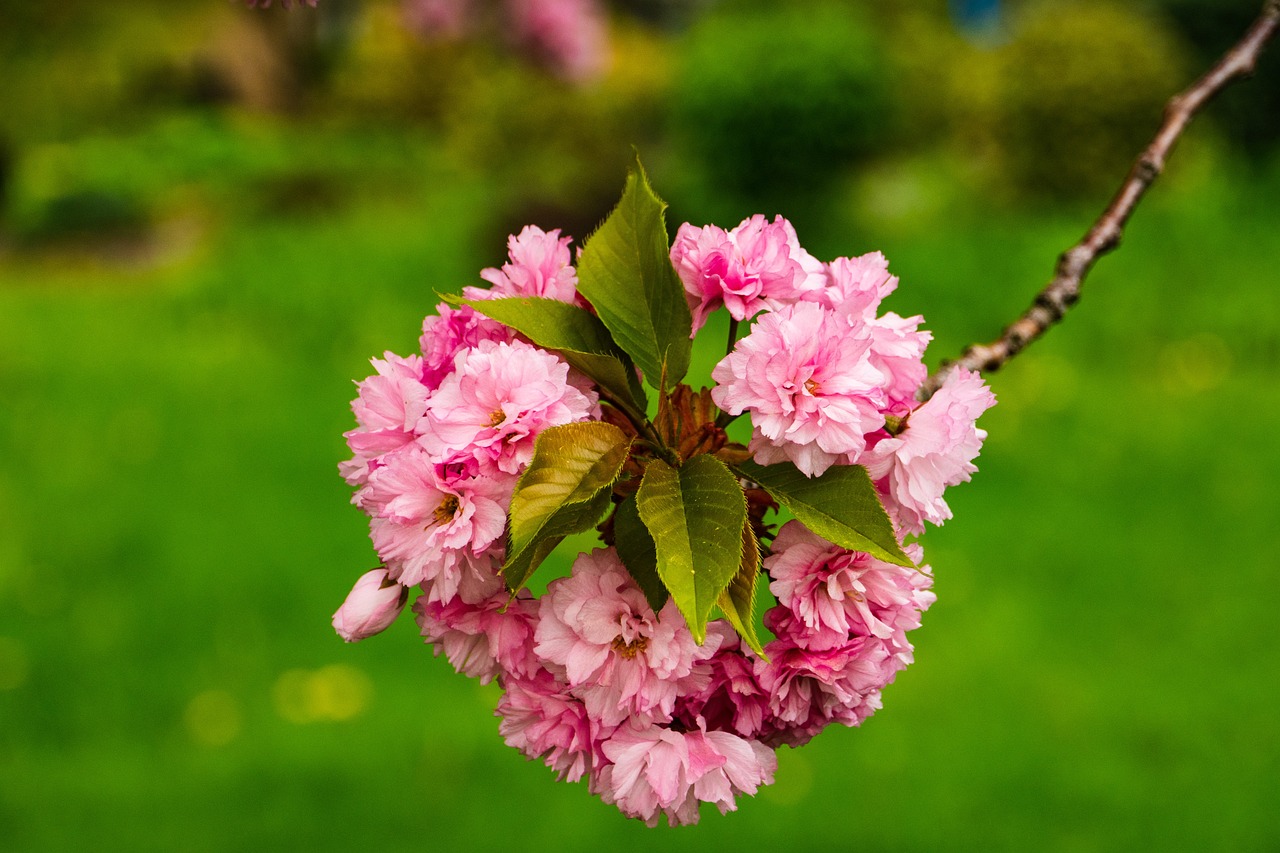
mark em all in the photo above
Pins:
pixel 808 380
pixel 757 266
pixel 825 377
pixel 936 450
pixel 595 682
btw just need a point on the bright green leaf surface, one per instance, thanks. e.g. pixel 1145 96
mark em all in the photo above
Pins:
pixel 738 601
pixel 695 514
pixel 841 506
pixel 564 490
pixel 638 552
pixel 576 334
pixel 625 272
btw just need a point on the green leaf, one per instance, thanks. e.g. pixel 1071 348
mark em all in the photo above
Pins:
pixel 840 505
pixel 576 334
pixel 638 552
pixel 695 515
pixel 738 601
pixel 625 272
pixel 564 490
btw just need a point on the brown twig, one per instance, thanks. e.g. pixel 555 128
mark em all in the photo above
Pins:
pixel 1052 303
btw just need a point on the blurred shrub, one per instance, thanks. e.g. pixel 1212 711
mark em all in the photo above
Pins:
pixel 561 150
pixel 1249 115
pixel 775 97
pixel 1081 90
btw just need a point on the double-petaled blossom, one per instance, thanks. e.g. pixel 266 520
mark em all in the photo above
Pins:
pixel 656 770
pixel 450 331
pixel 388 407
pixel 806 376
pixel 619 656
pixel 543 719
pixel 497 400
pixel 371 606
pixel 756 266
pixel 835 593
pixel 730 698
pixel 429 524
pixel 934 450
pixel 539 265
pixel 485 639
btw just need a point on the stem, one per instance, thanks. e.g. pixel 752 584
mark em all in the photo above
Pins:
pixel 733 336
pixel 1052 303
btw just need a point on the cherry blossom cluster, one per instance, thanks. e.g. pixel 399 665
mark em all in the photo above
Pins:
pixel 596 683
pixel 825 380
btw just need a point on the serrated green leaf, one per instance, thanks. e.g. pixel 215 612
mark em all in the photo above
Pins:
pixel 840 505
pixel 625 272
pixel 564 490
pixel 576 334
pixel 738 601
pixel 638 553
pixel 695 515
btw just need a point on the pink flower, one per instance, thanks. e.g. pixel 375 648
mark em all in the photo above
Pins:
pixel 806 376
pixel 854 287
pixel 897 351
pixel 482 640
pixel 427 524
pixel 566 35
pixel 836 594
pixel 655 770
pixel 753 267
pixel 388 408
pixel 540 266
pixel 542 719
pixel 371 606
pixel 810 689
pixel 497 400
pixel 731 699
pixel 451 331
pixel 934 451
pixel 619 656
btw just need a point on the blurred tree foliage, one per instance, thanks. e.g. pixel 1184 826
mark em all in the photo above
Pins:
pixel 773 100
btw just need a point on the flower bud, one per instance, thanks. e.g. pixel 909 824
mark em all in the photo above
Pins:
pixel 372 605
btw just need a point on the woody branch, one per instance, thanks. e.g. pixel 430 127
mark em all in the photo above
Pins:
pixel 1052 303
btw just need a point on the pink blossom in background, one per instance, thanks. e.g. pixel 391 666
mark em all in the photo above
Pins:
pixel 540 265
pixel 656 770
pixel 446 19
pixel 753 267
pixel 371 606
pixel 805 375
pixel 266 4
pixel 497 400
pixel 836 593
pixel 934 451
pixel 542 719
pixel 618 655
pixel 566 35
pixel 426 524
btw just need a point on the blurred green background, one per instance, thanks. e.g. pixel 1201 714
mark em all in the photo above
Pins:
pixel 211 217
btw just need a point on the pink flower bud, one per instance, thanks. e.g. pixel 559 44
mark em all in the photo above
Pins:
pixel 372 605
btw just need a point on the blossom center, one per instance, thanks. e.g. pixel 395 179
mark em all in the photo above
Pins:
pixel 629 649
pixel 497 417
pixel 812 386
pixel 447 510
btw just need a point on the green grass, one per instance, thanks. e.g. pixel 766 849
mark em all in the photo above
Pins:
pixel 1098 673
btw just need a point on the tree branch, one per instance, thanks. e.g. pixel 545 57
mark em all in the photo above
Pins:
pixel 1052 303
